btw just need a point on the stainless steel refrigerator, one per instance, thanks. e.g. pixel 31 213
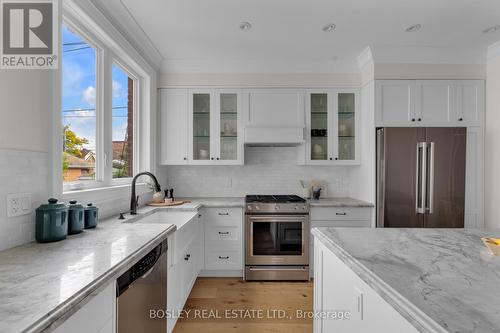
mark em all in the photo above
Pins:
pixel 421 177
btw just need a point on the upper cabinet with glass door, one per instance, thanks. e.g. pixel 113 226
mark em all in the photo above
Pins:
pixel 215 134
pixel 332 124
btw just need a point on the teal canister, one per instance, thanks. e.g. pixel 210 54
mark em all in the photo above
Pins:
pixel 75 218
pixel 51 222
pixel 91 214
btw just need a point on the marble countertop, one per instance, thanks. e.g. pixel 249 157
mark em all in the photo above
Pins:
pixel 42 284
pixel 339 202
pixel 217 202
pixel 440 280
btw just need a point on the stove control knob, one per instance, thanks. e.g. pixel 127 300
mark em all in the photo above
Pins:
pixel 277 208
pixel 257 208
pixel 296 207
pixel 249 207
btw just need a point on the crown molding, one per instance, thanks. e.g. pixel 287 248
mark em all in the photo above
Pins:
pixel 365 57
pixel 121 18
pixel 493 51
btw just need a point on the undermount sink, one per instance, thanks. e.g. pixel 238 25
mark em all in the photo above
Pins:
pixel 177 218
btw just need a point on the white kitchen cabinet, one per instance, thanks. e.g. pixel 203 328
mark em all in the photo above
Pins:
pixel 429 103
pixel 435 102
pixel 214 127
pixel 185 258
pixel 174 126
pixel 395 102
pixel 336 217
pixel 223 228
pixel 97 316
pixel 338 288
pixel 201 127
pixel 332 127
pixel 474 180
pixel 470 102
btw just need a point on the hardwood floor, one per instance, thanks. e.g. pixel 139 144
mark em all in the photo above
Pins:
pixel 234 305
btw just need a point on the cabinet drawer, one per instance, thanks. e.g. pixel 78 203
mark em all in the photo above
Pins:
pixel 223 260
pixel 222 233
pixel 223 216
pixel 343 223
pixel 340 213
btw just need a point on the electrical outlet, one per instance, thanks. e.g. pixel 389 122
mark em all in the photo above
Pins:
pixel 18 204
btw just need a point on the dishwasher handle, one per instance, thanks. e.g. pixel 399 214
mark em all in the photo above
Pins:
pixel 142 268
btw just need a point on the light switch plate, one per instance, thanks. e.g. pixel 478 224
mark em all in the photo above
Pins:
pixel 18 204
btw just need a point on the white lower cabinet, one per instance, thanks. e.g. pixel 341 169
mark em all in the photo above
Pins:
pixel 97 316
pixel 337 289
pixel 223 241
pixel 185 258
pixel 350 217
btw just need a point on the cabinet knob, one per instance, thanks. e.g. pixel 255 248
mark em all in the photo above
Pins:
pixel 413 119
pixel 419 119
pixel 212 158
pixel 461 119
pixel 336 158
pixel 185 158
pixel 331 159
pixel 218 158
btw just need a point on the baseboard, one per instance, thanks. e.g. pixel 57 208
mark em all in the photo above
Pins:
pixel 221 273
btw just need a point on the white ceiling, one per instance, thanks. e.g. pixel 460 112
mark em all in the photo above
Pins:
pixel 203 36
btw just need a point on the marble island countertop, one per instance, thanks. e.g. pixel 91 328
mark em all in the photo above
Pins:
pixel 42 284
pixel 441 278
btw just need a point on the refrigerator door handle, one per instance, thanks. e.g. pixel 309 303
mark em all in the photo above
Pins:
pixel 430 190
pixel 421 178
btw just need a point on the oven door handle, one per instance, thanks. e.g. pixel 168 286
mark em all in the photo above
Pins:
pixel 274 219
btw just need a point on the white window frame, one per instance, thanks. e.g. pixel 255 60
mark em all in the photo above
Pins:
pixel 107 53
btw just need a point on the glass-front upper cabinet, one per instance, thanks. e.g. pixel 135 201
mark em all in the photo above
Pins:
pixel 202 105
pixel 346 130
pixel 215 132
pixel 319 113
pixel 332 123
pixel 228 126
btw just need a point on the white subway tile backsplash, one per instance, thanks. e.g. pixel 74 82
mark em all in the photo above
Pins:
pixel 267 170
pixel 21 171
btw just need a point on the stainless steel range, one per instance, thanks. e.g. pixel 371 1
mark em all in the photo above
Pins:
pixel 277 237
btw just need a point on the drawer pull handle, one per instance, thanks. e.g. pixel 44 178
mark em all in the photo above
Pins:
pixel 223 214
pixel 225 258
pixel 223 232
pixel 341 214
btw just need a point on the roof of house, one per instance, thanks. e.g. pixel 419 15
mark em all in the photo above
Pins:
pixel 78 163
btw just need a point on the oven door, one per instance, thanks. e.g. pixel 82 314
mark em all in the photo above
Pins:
pixel 277 240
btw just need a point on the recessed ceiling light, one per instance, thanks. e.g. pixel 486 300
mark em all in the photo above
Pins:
pixel 329 27
pixel 245 26
pixel 413 28
pixel 491 29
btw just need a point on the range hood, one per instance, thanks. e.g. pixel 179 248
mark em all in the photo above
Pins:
pixel 274 136
pixel 274 117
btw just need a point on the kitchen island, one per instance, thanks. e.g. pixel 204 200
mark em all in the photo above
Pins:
pixel 407 280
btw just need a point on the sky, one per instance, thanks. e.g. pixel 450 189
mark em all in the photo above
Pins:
pixel 79 90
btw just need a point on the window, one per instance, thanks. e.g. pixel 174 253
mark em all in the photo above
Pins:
pixel 123 123
pixel 100 103
pixel 79 118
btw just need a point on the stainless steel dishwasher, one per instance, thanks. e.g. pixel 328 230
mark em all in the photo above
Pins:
pixel 140 289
